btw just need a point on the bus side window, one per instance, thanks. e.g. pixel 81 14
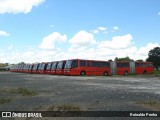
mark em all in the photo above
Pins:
pixel 140 64
pixel 150 65
pixel 93 64
pixel 83 63
pixel 137 65
pixel 144 64
pixel 74 64
pixel 88 64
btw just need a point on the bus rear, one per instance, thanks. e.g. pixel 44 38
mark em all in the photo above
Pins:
pixel 60 67
pixel 144 67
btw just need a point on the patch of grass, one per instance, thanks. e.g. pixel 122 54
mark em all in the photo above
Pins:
pixel 151 103
pixel 5 100
pixel 157 72
pixel 64 108
pixel 38 107
pixel 26 92
pixel 22 91
pixel 68 108
pixel 2 70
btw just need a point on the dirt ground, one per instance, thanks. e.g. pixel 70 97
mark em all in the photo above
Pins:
pixel 92 93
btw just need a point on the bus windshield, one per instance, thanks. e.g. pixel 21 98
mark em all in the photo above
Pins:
pixel 60 64
pixel 49 66
pixel 68 64
pixel 43 66
pixel 35 67
pixel 71 64
pixel 54 65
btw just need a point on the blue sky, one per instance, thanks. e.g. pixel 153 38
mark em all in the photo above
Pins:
pixel 48 30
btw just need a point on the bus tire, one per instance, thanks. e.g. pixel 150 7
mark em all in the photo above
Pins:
pixel 145 72
pixel 83 73
pixel 126 72
pixel 105 73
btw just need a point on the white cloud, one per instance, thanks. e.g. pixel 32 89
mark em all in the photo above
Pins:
pixel 116 28
pixel 117 42
pixel 95 31
pixel 83 45
pixel 158 13
pixel 30 56
pixel 105 30
pixel 4 33
pixel 18 6
pixel 82 38
pixel 49 41
pixel 143 51
pixel 102 28
pixel 10 47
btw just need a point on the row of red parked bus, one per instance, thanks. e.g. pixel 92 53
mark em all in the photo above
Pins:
pixel 85 67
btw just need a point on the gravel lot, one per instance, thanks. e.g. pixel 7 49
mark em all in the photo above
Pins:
pixel 96 93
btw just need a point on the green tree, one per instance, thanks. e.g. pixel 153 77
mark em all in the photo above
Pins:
pixel 140 60
pixel 110 60
pixel 6 64
pixel 154 56
pixel 123 59
pixel 21 63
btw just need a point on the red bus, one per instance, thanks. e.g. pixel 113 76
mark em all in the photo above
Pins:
pixel 42 69
pixel 39 68
pixel 60 67
pixel 122 68
pixel 30 68
pixel 144 67
pixel 20 69
pixel 48 69
pixel 35 68
pixel 13 68
pixel 87 67
pixel 53 68
pixel 25 68
pixel 16 68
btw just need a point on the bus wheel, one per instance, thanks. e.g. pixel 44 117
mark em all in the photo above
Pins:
pixel 83 73
pixel 126 72
pixel 145 72
pixel 105 73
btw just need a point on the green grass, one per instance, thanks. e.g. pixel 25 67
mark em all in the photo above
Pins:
pixel 2 70
pixel 157 72
pixel 26 92
pixel 22 91
pixel 152 103
pixel 64 108
pixel 5 100
pixel 68 108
